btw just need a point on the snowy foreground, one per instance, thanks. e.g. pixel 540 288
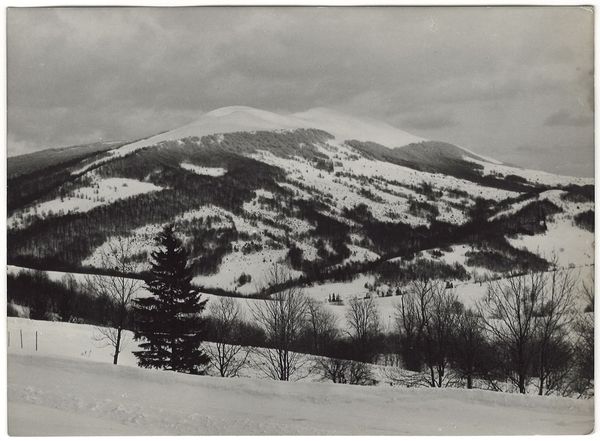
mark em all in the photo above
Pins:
pixel 54 396
pixel 66 388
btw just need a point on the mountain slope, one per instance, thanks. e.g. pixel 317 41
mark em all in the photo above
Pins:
pixel 247 189
pixel 33 162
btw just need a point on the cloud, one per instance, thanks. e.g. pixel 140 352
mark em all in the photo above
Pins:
pixel 564 118
pixel 478 76
pixel 556 158
pixel 429 122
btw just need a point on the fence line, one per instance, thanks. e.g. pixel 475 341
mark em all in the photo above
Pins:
pixel 22 341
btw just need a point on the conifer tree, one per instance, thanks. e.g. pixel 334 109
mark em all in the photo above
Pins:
pixel 169 322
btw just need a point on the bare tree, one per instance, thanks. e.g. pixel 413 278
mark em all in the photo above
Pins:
pixel 359 373
pixel 412 316
pixel 322 326
pixel 583 381
pixel 364 326
pixel 587 292
pixel 283 318
pixel 120 290
pixel 334 369
pixel 439 333
pixel 470 349
pixel 226 355
pixel 341 370
pixel 508 314
pixel 554 316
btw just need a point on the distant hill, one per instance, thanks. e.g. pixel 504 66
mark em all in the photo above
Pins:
pixel 32 162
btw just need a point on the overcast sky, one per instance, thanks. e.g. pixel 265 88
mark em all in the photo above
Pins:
pixel 514 83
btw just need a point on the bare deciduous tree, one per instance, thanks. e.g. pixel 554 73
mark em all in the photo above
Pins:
pixel 554 316
pixel 334 369
pixel 412 316
pixel 469 353
pixel 359 373
pixel 440 327
pixel 583 326
pixel 226 356
pixel 587 292
pixel 283 319
pixel 120 290
pixel 322 326
pixel 508 314
pixel 426 318
pixel 364 325
pixel 345 371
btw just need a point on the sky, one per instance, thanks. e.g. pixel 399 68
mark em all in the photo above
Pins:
pixel 513 83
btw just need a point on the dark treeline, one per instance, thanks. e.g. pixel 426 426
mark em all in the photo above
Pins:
pixel 64 300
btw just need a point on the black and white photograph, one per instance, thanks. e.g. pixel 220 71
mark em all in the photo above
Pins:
pixel 299 220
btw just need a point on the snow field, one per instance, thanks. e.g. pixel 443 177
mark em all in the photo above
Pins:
pixel 103 191
pixel 373 168
pixel 570 244
pixel 394 206
pixel 205 171
pixel 51 392
pixel 257 264
pixel 570 208
pixel 535 176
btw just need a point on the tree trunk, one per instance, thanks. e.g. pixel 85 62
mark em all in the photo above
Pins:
pixel 440 376
pixel 542 362
pixel 117 347
pixel 469 381
pixel 521 384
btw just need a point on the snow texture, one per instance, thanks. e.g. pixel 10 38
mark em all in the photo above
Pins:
pixel 206 171
pixel 62 389
pixel 535 176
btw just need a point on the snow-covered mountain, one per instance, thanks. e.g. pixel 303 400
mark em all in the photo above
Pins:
pixel 330 195
pixel 249 119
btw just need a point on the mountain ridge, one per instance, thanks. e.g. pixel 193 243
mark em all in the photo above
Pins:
pixel 244 118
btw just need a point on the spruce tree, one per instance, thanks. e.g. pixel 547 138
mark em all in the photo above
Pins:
pixel 169 322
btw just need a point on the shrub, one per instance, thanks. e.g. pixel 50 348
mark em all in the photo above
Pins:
pixel 49 299
pixel 585 220
pixel 244 278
